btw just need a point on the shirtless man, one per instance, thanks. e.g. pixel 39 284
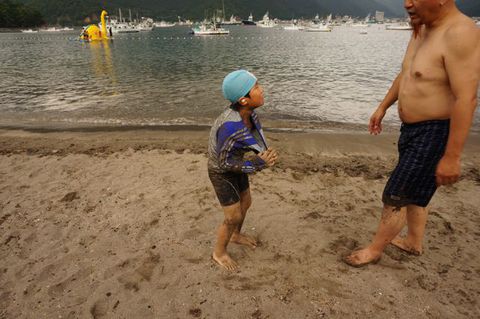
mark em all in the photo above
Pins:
pixel 437 96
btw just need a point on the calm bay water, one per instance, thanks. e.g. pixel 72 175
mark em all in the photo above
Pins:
pixel 169 77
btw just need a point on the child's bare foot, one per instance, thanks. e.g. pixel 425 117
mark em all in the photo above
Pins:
pixel 406 246
pixel 225 261
pixel 242 239
pixel 362 257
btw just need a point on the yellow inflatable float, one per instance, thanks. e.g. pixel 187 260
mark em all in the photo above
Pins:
pixel 93 33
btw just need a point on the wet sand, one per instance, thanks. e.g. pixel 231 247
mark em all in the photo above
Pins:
pixel 121 224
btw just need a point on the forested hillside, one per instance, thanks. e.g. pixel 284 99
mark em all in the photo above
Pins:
pixel 69 12
pixel 16 15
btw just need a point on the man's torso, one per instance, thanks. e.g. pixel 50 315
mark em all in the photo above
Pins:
pixel 425 92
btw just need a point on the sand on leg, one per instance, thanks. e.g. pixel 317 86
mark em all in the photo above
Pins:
pixel 416 221
pixel 392 222
pixel 237 236
pixel 233 217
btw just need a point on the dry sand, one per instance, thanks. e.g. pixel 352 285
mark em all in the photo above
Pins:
pixel 121 224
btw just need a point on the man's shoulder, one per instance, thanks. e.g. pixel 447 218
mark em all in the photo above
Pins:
pixel 462 29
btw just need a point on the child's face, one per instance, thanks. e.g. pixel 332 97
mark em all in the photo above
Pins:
pixel 256 96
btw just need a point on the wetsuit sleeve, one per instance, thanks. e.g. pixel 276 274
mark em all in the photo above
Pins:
pixel 232 140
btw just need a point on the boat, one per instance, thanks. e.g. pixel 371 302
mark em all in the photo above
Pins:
pixel 293 27
pixel 209 29
pixel 146 24
pixel 94 32
pixel 266 22
pixel 29 31
pixel 119 25
pixel 49 29
pixel 164 24
pixel 319 28
pixel 364 24
pixel 478 23
pixel 233 21
pixel 398 27
pixel 249 21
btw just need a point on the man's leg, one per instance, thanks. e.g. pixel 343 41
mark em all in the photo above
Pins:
pixel 392 222
pixel 238 237
pixel 416 221
pixel 233 218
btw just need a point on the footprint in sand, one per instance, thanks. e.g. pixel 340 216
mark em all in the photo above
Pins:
pixel 131 279
pixel 343 244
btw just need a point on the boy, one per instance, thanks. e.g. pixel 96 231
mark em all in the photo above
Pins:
pixel 235 132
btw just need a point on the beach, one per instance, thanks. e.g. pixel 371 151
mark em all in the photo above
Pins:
pixel 121 223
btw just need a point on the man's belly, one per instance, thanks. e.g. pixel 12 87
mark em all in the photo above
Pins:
pixel 412 109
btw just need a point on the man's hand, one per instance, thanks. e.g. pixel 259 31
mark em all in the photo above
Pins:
pixel 448 171
pixel 375 125
pixel 270 156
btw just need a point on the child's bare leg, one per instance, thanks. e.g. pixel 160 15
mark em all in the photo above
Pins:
pixel 237 236
pixel 392 222
pixel 233 217
pixel 416 220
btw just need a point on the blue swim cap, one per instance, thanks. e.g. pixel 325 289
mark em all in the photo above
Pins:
pixel 237 84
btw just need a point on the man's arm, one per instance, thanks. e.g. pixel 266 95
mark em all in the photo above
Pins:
pixel 375 124
pixel 462 63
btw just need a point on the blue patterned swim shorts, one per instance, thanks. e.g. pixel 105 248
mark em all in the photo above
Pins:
pixel 421 146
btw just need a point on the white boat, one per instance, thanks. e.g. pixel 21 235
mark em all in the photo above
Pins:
pixel 266 22
pixel 319 28
pixel 364 24
pixel 119 25
pixel 478 23
pixel 49 29
pixel 233 21
pixel 29 31
pixel 209 29
pixel 399 27
pixel 294 27
pixel 164 24
pixel 146 24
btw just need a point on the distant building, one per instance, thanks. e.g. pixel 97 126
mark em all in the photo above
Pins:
pixel 379 16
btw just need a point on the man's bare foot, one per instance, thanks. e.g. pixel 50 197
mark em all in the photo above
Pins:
pixel 225 261
pixel 362 257
pixel 403 244
pixel 242 239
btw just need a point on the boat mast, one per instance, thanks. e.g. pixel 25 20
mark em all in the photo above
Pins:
pixel 223 10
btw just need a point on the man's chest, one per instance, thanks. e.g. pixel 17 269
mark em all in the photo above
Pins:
pixel 424 60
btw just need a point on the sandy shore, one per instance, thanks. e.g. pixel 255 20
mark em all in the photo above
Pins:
pixel 120 224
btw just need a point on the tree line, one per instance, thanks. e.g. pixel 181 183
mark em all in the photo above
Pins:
pixel 16 15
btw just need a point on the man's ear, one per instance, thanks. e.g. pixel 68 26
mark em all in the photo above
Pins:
pixel 243 101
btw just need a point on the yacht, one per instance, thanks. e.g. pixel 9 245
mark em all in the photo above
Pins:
pixel 319 28
pixel 164 24
pixel 249 21
pixel 233 21
pixel 29 31
pixel 399 27
pixel 209 29
pixel 266 22
pixel 293 27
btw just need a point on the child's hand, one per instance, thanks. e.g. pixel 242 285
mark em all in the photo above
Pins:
pixel 270 156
